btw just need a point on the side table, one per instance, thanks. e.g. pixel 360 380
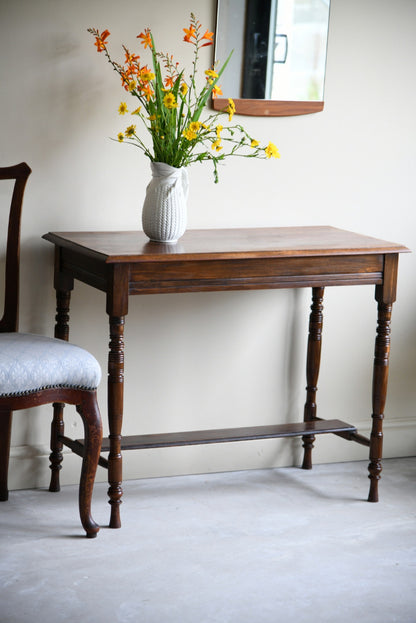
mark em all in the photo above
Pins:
pixel 122 264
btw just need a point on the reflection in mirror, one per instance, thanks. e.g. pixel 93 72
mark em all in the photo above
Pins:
pixel 278 64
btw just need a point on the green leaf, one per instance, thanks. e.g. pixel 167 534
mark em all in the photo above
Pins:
pixel 206 93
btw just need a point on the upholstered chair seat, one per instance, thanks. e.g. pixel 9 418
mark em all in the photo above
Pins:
pixel 29 363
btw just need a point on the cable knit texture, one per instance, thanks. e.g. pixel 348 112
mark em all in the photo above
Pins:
pixel 30 362
pixel 164 208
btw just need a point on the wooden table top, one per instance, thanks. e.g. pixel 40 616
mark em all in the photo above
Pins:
pixel 134 246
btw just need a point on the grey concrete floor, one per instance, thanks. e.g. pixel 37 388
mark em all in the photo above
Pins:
pixel 277 546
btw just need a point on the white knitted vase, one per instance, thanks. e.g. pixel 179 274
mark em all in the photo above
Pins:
pixel 164 208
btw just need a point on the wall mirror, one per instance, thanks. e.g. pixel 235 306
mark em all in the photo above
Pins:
pixel 279 59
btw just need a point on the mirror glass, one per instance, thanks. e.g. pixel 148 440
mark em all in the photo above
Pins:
pixel 279 54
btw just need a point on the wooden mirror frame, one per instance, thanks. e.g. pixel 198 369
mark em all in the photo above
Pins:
pixel 267 108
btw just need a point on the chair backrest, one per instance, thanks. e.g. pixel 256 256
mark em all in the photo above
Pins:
pixel 19 173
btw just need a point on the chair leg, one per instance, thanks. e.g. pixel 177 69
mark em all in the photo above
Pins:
pixel 56 456
pixel 91 418
pixel 5 435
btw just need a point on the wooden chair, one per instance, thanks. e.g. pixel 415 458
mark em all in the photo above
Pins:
pixel 36 370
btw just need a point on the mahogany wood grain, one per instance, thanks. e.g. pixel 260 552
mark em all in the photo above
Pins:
pixel 207 244
pixel 86 404
pixel 57 427
pixel 56 457
pixel 20 174
pixel 313 361
pixel 385 296
pixel 225 435
pixel 126 263
pixel 6 417
pixel 269 108
pixel 228 435
pixel 115 406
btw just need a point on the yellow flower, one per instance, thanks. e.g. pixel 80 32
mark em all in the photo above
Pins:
pixel 189 134
pixel 211 73
pixel 218 130
pixel 131 86
pixel 183 88
pixel 272 151
pixel 120 137
pixel 137 111
pixel 122 109
pixel 194 126
pixel 147 75
pixel 254 143
pixel 230 109
pixel 192 130
pixel 216 145
pixel 152 118
pixel 169 101
pixel 130 131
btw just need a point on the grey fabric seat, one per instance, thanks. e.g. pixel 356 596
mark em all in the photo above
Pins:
pixel 29 363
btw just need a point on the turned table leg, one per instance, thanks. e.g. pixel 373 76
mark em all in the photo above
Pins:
pixel 380 375
pixel 385 296
pixel 115 416
pixel 312 370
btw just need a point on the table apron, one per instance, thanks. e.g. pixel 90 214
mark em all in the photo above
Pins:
pixel 216 275
pixel 90 270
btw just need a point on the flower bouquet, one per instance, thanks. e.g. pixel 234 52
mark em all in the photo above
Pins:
pixel 169 106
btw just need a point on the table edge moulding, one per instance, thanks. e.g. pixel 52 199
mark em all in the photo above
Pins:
pixel 126 263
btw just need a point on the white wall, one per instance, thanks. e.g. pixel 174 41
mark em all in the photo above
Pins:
pixel 216 359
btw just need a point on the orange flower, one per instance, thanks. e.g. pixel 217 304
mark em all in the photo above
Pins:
pixel 124 80
pixel 131 58
pixel 208 35
pixel 100 40
pixel 146 38
pixel 143 70
pixel 147 90
pixel 130 71
pixel 189 33
pixel 216 91
pixel 128 85
pixel 169 82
